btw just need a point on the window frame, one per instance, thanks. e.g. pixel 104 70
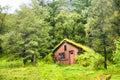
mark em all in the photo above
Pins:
pixel 61 56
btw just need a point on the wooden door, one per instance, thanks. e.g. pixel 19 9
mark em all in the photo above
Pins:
pixel 71 57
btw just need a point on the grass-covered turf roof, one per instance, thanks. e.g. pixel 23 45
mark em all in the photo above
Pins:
pixel 87 49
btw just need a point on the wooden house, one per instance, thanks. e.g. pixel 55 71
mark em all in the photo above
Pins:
pixel 67 50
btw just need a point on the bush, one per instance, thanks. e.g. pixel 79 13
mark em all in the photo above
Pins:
pixel 116 54
pixel 11 64
pixel 93 60
pixel 48 58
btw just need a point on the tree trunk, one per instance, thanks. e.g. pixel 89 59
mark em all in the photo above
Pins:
pixel 104 48
pixel 105 58
pixel 34 59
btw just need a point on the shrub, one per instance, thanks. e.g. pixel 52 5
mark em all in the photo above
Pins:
pixel 48 58
pixel 93 60
pixel 116 54
pixel 14 64
pixel 11 64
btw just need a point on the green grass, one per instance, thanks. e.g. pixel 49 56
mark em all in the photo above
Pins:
pixel 15 70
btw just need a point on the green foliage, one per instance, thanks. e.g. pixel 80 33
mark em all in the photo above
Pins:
pixel 67 25
pixel 81 4
pixel 29 33
pixel 99 30
pixel 49 58
pixel 116 54
pixel 11 64
pixel 37 28
pixel 30 51
pixel 116 4
pixel 115 21
pixel 93 60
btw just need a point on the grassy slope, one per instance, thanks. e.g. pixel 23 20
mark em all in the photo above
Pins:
pixel 17 71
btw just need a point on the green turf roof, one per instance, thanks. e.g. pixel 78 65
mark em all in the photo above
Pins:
pixel 87 49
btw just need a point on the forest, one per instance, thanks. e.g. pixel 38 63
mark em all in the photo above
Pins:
pixel 29 35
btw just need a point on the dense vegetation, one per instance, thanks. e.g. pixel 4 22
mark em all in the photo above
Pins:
pixel 35 30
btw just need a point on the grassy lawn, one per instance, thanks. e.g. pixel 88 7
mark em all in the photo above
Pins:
pixel 17 71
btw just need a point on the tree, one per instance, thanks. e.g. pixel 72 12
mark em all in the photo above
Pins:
pixel 34 28
pixel 68 25
pixel 3 25
pixel 116 28
pixel 99 27
pixel 54 9
pixel 81 5
pixel 30 35
pixel 116 18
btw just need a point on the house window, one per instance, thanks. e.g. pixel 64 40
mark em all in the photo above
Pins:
pixel 61 56
pixel 65 47
pixel 71 52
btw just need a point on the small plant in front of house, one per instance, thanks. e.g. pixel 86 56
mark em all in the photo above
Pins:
pixel 49 58
pixel 93 60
